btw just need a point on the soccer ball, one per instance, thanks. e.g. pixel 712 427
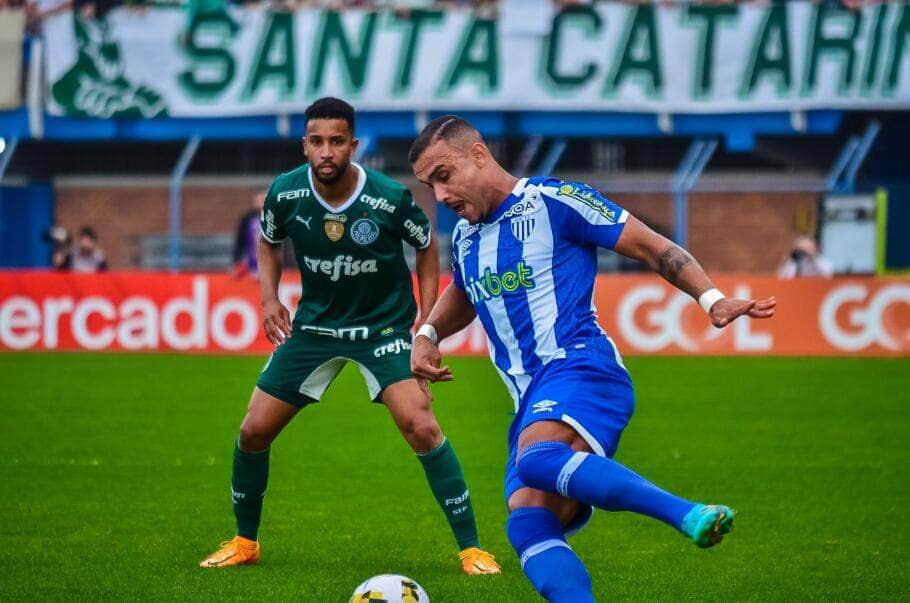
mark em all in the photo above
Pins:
pixel 389 588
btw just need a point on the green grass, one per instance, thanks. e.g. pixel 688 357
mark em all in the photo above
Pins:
pixel 115 473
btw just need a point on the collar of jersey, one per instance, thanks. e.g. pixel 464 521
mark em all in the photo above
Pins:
pixel 516 194
pixel 361 181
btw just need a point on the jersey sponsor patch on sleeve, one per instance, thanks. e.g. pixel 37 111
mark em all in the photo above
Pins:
pixel 590 198
pixel 269 225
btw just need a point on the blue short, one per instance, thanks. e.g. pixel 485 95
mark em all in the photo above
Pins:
pixel 589 390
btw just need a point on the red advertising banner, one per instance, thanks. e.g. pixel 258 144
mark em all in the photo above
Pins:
pixel 644 315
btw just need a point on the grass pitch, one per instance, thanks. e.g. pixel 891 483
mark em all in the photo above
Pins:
pixel 115 473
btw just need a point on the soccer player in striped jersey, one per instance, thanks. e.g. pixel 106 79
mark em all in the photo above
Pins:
pixel 524 261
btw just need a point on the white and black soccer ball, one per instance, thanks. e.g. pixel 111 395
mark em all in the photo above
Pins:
pixel 389 588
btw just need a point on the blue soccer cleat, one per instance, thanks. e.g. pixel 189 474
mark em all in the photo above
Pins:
pixel 707 524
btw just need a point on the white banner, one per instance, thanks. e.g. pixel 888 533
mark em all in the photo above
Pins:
pixel 779 56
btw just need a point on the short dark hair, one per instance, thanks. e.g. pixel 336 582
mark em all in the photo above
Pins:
pixel 88 231
pixel 446 127
pixel 329 107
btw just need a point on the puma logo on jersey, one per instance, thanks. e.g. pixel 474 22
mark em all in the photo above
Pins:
pixel 304 222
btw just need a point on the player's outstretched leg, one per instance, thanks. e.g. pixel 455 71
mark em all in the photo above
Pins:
pixel 550 464
pixel 410 409
pixel 546 558
pixel 265 419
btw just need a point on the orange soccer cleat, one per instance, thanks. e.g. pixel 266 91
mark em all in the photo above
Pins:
pixel 477 561
pixel 239 551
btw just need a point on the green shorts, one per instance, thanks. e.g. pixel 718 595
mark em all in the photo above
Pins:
pixel 301 369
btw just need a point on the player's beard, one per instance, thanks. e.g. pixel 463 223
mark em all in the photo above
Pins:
pixel 335 177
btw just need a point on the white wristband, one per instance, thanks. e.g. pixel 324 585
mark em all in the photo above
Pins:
pixel 428 331
pixel 709 298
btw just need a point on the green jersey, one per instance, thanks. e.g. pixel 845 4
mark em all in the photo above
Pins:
pixel 356 284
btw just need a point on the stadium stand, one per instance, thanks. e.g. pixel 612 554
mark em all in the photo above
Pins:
pixel 687 170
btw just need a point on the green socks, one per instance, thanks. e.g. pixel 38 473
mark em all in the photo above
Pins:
pixel 248 484
pixel 251 476
pixel 447 483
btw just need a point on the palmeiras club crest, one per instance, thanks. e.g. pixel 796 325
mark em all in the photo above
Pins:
pixel 334 226
pixel 522 227
pixel 364 231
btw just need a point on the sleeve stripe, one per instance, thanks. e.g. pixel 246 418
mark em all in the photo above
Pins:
pixel 266 237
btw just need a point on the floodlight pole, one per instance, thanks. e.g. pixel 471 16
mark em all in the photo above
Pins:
pixel 862 150
pixel 176 185
pixel 840 164
pixel 554 154
pixel 842 175
pixel 528 152
pixel 693 164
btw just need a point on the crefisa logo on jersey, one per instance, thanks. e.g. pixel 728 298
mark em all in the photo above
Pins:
pixel 378 203
pixel 416 231
pixel 364 231
pixel 270 224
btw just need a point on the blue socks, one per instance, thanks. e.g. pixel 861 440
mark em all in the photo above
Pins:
pixel 546 558
pixel 597 481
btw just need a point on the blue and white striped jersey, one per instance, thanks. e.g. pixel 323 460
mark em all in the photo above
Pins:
pixel 529 271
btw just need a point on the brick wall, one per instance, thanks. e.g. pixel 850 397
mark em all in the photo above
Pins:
pixel 121 215
pixel 728 232
pixel 732 232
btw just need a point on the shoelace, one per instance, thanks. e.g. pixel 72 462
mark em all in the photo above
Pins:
pixel 482 557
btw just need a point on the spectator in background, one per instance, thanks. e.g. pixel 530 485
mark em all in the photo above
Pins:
pixel 248 237
pixel 805 260
pixel 61 246
pixel 84 256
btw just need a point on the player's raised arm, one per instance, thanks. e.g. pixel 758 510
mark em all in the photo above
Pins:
pixel 683 271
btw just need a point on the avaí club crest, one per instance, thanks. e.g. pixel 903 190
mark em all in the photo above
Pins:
pixel 522 227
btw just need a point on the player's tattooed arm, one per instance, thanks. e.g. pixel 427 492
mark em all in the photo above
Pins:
pixel 663 256
pixel 672 261
pixel 677 265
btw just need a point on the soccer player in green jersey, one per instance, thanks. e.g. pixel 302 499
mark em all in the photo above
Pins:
pixel 347 224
